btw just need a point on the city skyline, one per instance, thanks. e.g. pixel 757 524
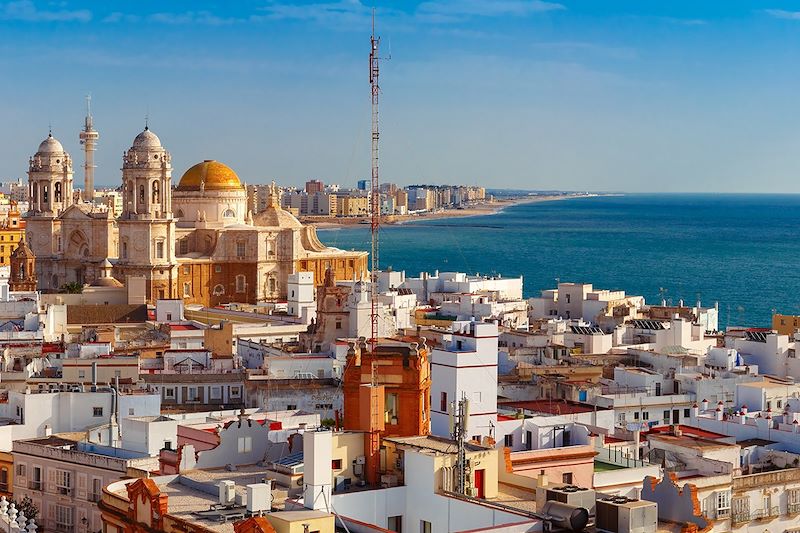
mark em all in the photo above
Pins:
pixel 511 94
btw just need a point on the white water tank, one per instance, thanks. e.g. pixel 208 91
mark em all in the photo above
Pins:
pixel 259 498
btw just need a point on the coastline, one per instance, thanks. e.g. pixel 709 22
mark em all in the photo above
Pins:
pixel 482 209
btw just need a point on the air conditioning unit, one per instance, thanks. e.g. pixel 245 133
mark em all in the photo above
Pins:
pixel 227 492
pixel 618 514
pixel 361 460
pixel 570 495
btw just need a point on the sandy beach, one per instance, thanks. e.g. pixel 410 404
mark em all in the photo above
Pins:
pixel 485 208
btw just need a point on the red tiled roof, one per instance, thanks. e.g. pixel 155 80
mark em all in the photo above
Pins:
pixel 689 431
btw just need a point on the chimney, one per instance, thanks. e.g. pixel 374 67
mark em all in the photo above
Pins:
pixel 541 481
pixel 695 410
pixel 719 413
pixel 744 410
pixel 704 405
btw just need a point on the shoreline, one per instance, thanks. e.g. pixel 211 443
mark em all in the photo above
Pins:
pixel 483 209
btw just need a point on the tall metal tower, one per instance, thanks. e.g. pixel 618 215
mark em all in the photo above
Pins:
pixel 459 418
pixel 375 195
pixel 88 139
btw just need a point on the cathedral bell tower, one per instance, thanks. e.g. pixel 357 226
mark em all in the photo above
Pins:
pixel 50 179
pixel 146 226
pixel 23 268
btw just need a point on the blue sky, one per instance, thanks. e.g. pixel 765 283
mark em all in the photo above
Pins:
pixel 627 95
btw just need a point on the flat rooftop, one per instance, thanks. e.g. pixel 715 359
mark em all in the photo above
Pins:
pixel 434 444
pixel 555 407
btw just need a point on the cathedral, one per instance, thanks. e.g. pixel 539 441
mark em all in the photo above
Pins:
pixel 196 241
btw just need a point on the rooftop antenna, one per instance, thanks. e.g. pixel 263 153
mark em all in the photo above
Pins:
pixel 375 204
pixel 89 137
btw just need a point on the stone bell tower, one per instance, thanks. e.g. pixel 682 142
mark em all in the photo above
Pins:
pixel 146 226
pixel 23 268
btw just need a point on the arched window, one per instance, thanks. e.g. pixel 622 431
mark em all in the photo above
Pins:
pixel 45 194
pixel 155 192
pixel 124 252
pixel 131 189
pixel 219 290
pixel 141 193
pixel 270 246
pixel 241 283
pixel 180 214
pixel 58 192
pixel 273 284
pixel 229 213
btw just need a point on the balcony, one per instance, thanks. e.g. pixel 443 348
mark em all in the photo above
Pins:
pixel 793 508
pixel 759 514
pixel 35 485
pixel 64 491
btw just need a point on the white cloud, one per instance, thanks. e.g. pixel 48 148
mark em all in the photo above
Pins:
pixel 783 14
pixel 457 9
pixel 191 17
pixel 340 12
pixel 26 11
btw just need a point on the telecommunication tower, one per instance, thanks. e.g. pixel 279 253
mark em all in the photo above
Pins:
pixel 89 137
pixel 459 418
pixel 375 196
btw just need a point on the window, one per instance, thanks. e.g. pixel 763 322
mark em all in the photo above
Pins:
pixel 160 250
pixel 217 269
pixel 64 481
pixel 636 415
pixel 241 283
pixel 81 374
pixel 336 464
pixel 646 415
pixel 769 405
pixel 566 477
pixel 291 406
pixel 686 413
pixel 218 290
pixel 666 416
pixel 229 213
pixel 741 509
pixel 241 248
pixel 21 470
pixel 187 290
pixel 97 411
pixel 322 406
pixel 338 323
pixel 97 490
pixel 186 268
pixel 36 479
pixel 192 395
pixel 723 503
pixel 391 411
pixel 779 403
pixel 236 392
pixel 216 393
pixel 169 392
pixel 64 518
pixel 124 250
pixel 443 402
pixel 131 411
pixel 245 444
pixel 425 526
pixel 508 440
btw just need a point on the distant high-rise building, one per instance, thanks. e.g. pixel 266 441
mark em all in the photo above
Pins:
pixel 363 185
pixel 313 186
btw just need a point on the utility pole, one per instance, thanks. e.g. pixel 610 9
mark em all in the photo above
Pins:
pixel 459 416
pixel 89 137
pixel 375 196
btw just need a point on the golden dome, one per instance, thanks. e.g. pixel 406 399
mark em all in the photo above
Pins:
pixel 209 175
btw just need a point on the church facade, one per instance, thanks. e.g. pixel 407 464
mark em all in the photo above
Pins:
pixel 196 241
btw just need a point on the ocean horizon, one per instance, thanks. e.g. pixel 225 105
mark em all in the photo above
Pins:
pixel 737 250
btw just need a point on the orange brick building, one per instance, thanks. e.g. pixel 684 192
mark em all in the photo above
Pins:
pixel 386 394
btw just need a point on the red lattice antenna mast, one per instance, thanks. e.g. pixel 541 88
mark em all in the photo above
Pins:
pixel 375 196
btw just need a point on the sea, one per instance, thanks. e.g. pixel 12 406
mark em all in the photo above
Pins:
pixel 741 252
